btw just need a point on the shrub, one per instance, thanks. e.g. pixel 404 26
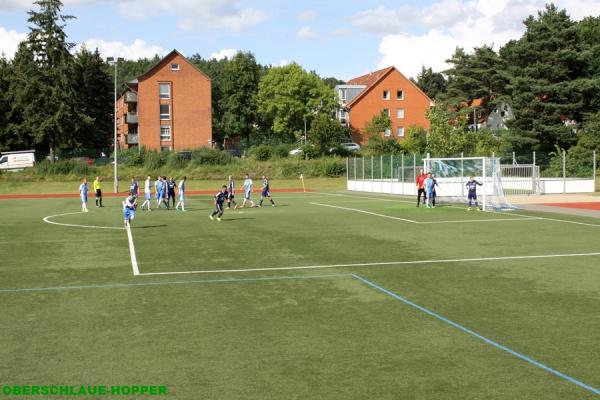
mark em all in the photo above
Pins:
pixel 63 167
pixel 282 150
pixel 309 151
pixel 206 156
pixel 262 152
pixel 153 160
pixel 175 161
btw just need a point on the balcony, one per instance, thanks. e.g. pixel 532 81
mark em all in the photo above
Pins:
pixel 131 118
pixel 131 97
pixel 132 138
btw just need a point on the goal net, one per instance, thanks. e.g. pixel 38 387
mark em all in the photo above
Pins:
pixel 452 175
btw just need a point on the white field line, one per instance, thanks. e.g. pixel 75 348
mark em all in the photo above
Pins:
pixel 491 212
pixel 417 262
pixel 426 222
pixel 47 219
pixel 364 212
pixel 134 264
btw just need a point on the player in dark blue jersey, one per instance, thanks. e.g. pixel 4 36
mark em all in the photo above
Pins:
pixel 231 193
pixel 220 198
pixel 472 195
pixel 266 192
pixel 134 188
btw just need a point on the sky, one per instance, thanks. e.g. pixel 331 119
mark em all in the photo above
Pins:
pixel 336 38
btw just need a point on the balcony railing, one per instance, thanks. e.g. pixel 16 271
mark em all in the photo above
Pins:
pixel 131 118
pixel 132 139
pixel 131 97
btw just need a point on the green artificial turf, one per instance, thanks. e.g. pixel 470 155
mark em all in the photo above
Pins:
pixel 302 301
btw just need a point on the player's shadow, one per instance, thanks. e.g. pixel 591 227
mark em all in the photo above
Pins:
pixel 235 219
pixel 149 226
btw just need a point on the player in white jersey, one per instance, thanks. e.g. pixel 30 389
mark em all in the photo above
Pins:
pixel 147 192
pixel 247 191
pixel 181 190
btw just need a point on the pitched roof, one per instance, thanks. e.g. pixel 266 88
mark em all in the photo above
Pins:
pixel 371 79
pixel 165 59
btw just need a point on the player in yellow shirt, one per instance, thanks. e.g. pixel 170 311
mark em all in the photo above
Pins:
pixel 98 192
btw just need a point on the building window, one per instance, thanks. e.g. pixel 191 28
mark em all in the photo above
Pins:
pixel 165 148
pixel 399 95
pixel 386 94
pixel 400 113
pixel 164 90
pixel 387 132
pixel 165 112
pixel 386 111
pixel 400 131
pixel 342 94
pixel 165 133
pixel 174 67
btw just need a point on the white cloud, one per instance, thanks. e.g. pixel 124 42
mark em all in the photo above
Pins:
pixel 306 33
pixel 307 16
pixel 197 14
pixel 413 37
pixel 138 49
pixel 9 42
pixel 224 53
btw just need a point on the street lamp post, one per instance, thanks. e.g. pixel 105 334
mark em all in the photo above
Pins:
pixel 111 60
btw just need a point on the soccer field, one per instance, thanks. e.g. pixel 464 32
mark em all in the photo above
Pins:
pixel 326 296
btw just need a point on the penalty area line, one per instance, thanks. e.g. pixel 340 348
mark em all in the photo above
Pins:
pixel 364 212
pixel 387 263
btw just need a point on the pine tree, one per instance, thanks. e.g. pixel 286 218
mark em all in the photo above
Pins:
pixel 43 87
pixel 547 69
pixel 4 103
pixel 432 83
pixel 94 90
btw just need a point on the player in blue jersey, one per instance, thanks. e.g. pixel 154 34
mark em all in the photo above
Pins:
pixel 220 198
pixel 129 206
pixel 472 195
pixel 165 188
pixel 158 187
pixel 429 185
pixel 83 194
pixel 133 187
pixel 231 193
pixel 266 192
pixel 247 191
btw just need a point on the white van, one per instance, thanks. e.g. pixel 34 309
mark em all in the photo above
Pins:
pixel 17 159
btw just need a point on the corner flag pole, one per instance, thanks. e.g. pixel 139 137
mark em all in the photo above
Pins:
pixel 302 179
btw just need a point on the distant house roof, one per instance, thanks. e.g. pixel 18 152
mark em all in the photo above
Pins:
pixel 371 79
pixel 165 59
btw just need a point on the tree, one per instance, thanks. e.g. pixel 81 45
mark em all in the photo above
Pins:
pixel 432 83
pixel 239 88
pixel 446 137
pixel 546 69
pixel 94 89
pixel 289 96
pixel 4 102
pixel 378 124
pixel 416 140
pixel 42 89
pixel 326 132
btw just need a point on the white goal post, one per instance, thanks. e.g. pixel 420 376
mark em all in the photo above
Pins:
pixel 452 175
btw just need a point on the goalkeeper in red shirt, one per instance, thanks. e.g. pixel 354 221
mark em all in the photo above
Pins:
pixel 420 181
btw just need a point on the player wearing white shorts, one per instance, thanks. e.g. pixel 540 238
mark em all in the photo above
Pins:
pixel 247 191
pixel 129 206
pixel 181 190
pixel 147 192
pixel 83 193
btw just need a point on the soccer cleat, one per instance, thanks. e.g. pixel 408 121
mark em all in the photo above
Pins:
pixel 477 209
pixel 273 205
pixel 211 217
pixel 469 209
pixel 219 219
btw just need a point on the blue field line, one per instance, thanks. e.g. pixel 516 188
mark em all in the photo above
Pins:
pixel 193 282
pixel 478 336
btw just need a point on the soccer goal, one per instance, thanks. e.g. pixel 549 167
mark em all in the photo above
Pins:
pixel 452 175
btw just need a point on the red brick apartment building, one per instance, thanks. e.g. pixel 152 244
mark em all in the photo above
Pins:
pixel 388 89
pixel 167 108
